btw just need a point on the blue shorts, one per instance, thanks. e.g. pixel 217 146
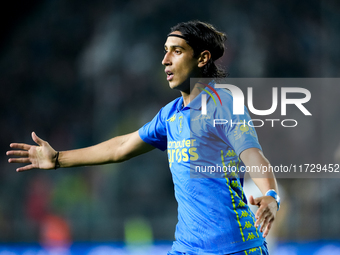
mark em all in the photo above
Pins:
pixel 261 250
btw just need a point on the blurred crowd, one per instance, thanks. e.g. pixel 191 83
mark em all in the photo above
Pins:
pixel 78 73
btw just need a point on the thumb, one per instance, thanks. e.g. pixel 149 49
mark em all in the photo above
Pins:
pixel 36 139
pixel 255 201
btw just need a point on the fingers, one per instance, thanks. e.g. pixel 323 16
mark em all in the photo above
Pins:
pixel 36 139
pixel 23 154
pixel 260 211
pixel 24 168
pixel 264 218
pixel 255 201
pixel 261 215
pixel 19 160
pixel 264 222
pixel 267 226
pixel 17 153
pixel 251 200
pixel 21 146
pixel 265 215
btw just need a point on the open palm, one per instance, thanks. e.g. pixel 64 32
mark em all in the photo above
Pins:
pixel 41 157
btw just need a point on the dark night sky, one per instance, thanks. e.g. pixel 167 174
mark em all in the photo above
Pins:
pixel 12 14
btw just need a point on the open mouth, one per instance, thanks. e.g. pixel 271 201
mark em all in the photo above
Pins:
pixel 169 75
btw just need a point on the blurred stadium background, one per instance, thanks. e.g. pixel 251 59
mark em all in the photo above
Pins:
pixel 80 72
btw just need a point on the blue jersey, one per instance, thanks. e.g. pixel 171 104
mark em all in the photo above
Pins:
pixel 213 215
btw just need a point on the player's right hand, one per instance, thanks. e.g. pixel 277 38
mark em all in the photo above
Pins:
pixel 41 157
pixel 266 213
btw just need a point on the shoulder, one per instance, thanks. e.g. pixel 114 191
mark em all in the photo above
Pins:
pixel 225 95
pixel 172 105
pixel 223 103
pixel 222 97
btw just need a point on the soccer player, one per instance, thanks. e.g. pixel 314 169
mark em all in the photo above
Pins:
pixel 213 215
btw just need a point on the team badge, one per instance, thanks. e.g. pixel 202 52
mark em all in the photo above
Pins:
pixel 180 118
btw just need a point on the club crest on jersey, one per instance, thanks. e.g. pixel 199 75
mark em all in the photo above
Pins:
pixel 180 118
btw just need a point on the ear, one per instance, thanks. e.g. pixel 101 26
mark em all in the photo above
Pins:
pixel 204 58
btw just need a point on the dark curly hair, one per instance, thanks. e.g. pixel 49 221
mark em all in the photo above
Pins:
pixel 203 36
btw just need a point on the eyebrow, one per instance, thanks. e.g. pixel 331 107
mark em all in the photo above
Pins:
pixel 175 46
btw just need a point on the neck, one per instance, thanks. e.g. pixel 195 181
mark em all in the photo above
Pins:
pixel 191 94
pixel 186 98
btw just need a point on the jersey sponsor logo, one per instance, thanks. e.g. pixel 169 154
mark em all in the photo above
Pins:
pixel 184 150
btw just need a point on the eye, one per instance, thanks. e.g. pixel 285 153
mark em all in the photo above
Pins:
pixel 178 52
pixel 165 51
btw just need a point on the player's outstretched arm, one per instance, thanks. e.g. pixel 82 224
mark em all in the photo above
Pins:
pixel 266 213
pixel 43 156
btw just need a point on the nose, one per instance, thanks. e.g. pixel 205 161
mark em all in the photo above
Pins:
pixel 166 60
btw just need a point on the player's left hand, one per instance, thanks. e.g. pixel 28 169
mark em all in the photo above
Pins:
pixel 266 213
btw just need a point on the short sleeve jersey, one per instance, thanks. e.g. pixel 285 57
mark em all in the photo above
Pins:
pixel 213 215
